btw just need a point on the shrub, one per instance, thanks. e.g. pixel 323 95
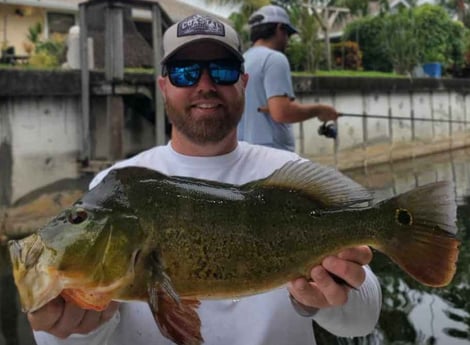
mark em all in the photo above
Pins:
pixel 347 55
pixel 366 33
pixel 49 53
pixel 401 41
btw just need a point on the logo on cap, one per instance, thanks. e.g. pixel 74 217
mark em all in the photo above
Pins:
pixel 200 25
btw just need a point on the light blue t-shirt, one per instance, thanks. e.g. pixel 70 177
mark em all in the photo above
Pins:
pixel 269 76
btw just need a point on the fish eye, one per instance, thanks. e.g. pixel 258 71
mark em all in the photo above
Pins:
pixel 77 216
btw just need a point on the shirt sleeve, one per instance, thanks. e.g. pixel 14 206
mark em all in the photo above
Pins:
pixel 99 336
pixel 359 316
pixel 277 77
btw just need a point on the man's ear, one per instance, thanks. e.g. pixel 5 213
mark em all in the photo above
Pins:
pixel 162 86
pixel 244 77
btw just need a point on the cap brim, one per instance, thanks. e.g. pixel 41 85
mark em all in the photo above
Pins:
pixel 236 54
pixel 291 30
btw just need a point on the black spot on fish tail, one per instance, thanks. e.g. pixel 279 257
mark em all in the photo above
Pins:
pixel 403 217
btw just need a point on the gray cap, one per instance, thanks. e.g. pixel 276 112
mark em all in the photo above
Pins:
pixel 197 28
pixel 271 14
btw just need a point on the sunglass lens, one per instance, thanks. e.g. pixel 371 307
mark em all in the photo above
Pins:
pixel 186 75
pixel 224 74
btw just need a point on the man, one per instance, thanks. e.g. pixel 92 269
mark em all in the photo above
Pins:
pixel 270 108
pixel 203 88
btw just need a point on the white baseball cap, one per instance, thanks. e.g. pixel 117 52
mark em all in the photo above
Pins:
pixel 271 14
pixel 197 28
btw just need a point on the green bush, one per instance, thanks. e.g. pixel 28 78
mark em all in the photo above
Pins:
pixel 366 32
pixel 441 37
pixel 401 41
pixel 407 38
pixel 43 59
pixel 49 53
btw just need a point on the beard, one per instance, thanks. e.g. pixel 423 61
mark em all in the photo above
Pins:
pixel 206 129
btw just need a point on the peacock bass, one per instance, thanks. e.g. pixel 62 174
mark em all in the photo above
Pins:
pixel 172 241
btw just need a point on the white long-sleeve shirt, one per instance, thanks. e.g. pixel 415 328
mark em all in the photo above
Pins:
pixel 267 318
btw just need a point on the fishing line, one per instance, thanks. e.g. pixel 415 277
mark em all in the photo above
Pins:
pixel 386 117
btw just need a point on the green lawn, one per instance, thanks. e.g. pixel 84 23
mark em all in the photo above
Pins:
pixel 347 73
pixel 332 73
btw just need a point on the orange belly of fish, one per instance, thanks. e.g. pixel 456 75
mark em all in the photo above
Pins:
pixel 87 299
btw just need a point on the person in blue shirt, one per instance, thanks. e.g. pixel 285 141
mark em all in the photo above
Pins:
pixel 270 105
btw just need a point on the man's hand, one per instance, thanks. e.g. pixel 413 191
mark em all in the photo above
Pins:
pixel 322 291
pixel 325 112
pixel 61 318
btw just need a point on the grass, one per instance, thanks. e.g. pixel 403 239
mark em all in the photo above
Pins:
pixel 332 73
pixel 348 73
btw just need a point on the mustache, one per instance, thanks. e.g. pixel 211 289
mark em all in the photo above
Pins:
pixel 211 94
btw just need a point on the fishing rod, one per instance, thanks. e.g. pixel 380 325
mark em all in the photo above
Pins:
pixel 329 130
pixel 386 117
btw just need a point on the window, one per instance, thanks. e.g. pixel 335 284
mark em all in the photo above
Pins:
pixel 59 22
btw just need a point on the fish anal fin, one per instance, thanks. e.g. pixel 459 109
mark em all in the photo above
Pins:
pixel 87 299
pixel 178 321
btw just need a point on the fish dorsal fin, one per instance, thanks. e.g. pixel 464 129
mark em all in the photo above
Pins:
pixel 325 185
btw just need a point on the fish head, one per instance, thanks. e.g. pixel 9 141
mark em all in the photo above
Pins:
pixel 90 248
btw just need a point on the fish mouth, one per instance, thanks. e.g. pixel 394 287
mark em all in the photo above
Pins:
pixel 39 281
pixel 36 282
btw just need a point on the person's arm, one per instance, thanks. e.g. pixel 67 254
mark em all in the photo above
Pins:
pixel 285 110
pixel 63 323
pixel 281 104
pixel 340 309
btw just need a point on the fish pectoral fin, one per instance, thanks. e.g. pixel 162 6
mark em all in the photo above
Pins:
pixel 177 320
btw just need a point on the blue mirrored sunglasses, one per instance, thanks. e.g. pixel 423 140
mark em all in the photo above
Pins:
pixel 185 73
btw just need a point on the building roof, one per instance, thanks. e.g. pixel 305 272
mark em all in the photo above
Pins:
pixel 175 9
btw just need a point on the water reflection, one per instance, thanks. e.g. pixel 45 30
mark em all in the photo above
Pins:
pixel 411 313
pixel 25 216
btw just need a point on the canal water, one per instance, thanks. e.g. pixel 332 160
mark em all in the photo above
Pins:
pixel 411 313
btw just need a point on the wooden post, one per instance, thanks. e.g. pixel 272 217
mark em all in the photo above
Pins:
pixel 114 71
pixel 85 153
pixel 115 121
pixel 157 54
pixel 114 43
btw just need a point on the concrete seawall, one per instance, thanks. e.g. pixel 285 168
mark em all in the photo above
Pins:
pixel 41 122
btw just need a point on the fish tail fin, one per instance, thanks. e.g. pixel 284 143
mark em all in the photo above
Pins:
pixel 424 242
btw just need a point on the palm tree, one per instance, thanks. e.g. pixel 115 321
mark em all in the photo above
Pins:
pixel 247 7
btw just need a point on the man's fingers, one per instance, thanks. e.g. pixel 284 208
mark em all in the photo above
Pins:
pixel 110 311
pixel 306 293
pixel 46 317
pixel 90 320
pixel 351 272
pixel 361 255
pixel 321 293
pixel 62 318
pixel 70 320
pixel 333 293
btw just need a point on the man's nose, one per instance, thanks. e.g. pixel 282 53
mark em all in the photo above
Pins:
pixel 206 82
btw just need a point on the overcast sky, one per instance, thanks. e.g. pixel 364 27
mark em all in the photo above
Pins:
pixel 222 11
